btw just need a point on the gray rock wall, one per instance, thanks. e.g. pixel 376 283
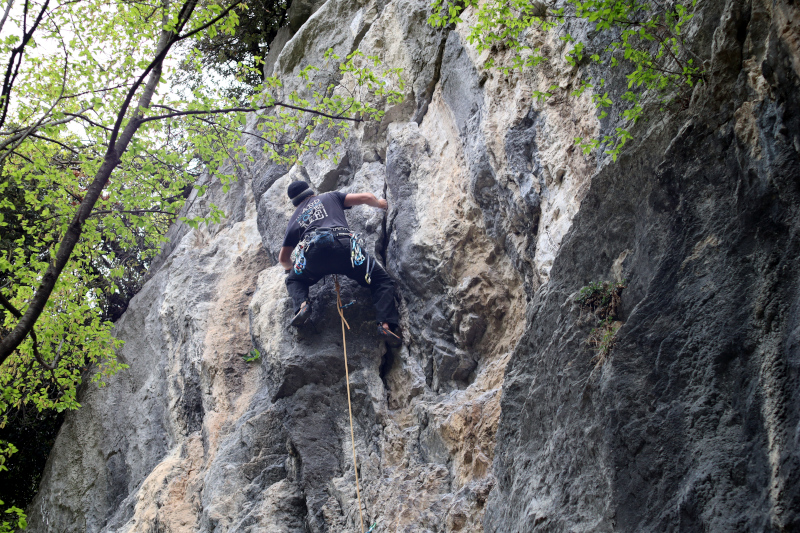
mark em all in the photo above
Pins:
pixel 494 415
pixel 691 424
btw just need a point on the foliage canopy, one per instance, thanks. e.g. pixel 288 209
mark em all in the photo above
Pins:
pixel 645 37
pixel 248 45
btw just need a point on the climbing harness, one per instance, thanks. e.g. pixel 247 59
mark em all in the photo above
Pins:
pixel 315 237
pixel 339 307
pixel 326 236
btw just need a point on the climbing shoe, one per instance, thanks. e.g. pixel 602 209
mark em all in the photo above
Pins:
pixel 392 338
pixel 303 314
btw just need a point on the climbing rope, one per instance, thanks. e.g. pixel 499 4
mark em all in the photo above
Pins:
pixel 339 308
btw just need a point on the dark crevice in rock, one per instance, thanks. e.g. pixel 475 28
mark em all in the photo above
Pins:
pixel 359 37
pixel 386 366
pixel 519 218
pixel 294 464
pixel 426 97
pixel 429 372
pixel 117 484
pixel 192 403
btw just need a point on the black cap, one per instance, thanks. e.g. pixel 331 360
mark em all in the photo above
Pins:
pixel 298 191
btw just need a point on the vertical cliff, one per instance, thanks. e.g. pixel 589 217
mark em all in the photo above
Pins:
pixel 692 423
pixel 494 414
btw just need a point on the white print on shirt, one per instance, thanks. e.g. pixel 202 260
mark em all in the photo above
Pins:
pixel 313 212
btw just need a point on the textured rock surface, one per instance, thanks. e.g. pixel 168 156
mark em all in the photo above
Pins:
pixel 692 423
pixel 493 414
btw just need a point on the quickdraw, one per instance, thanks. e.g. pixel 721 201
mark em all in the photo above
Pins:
pixel 357 255
pixel 299 257
pixel 356 252
pixel 370 267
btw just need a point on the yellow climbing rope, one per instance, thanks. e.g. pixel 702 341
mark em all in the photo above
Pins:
pixel 349 406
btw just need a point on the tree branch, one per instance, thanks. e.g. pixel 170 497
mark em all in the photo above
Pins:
pixel 90 121
pixel 25 157
pixel 45 124
pixel 94 91
pixel 5 15
pixel 20 135
pixel 132 212
pixel 48 139
pixel 153 71
pixel 38 356
pixel 177 113
pixel 45 115
pixel 9 306
pixel 16 55
pixel 117 145
pixel 208 24
pixel 275 145
pixel 14 311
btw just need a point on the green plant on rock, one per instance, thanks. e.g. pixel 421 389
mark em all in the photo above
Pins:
pixel 604 300
pixel 602 338
pixel 644 37
pixel 252 355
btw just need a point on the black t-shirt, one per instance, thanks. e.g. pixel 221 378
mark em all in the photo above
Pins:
pixel 323 211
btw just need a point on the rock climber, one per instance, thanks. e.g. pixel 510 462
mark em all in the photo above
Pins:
pixel 319 241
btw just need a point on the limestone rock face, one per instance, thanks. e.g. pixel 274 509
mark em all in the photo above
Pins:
pixel 494 414
pixel 691 423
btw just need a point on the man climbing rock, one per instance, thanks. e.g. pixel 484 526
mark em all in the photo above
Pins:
pixel 318 242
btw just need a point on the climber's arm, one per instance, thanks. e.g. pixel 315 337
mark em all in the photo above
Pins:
pixel 285 257
pixel 367 198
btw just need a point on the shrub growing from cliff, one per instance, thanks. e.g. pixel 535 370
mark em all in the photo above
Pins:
pixel 643 37
pixel 604 300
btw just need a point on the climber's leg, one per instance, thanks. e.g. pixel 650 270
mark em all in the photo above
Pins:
pixel 318 265
pixel 298 285
pixel 382 288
